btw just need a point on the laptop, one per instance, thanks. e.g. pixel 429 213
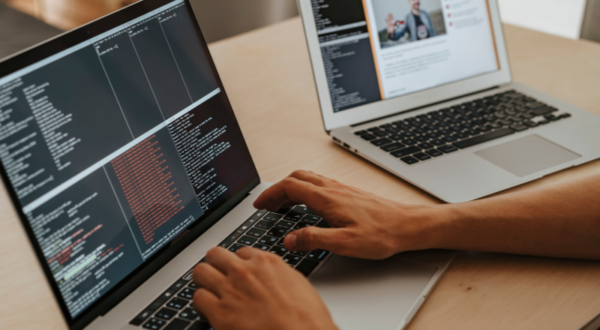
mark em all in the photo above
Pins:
pixel 423 89
pixel 125 163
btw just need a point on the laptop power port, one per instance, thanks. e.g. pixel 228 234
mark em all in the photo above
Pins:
pixel 337 140
pixel 347 146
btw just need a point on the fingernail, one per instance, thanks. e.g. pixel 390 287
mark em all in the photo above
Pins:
pixel 292 239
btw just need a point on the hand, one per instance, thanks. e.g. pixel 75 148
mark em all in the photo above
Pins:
pixel 391 24
pixel 253 289
pixel 363 225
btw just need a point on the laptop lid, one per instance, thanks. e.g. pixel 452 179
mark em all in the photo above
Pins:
pixel 373 58
pixel 118 147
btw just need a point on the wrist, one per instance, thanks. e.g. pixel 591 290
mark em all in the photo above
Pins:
pixel 426 227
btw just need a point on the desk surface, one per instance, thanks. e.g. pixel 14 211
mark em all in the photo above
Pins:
pixel 268 77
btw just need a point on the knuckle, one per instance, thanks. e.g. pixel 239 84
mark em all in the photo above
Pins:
pixel 298 173
pixel 288 181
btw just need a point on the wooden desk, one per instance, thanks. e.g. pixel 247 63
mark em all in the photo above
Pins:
pixel 268 77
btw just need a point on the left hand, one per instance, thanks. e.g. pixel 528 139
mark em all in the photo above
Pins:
pixel 253 289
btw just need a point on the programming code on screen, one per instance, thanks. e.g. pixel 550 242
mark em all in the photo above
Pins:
pixel 117 146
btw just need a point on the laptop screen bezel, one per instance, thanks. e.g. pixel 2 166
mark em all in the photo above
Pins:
pixel 400 104
pixel 63 42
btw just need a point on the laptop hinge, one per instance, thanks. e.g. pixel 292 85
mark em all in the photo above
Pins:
pixel 424 106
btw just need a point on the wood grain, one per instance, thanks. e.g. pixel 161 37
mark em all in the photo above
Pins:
pixel 268 77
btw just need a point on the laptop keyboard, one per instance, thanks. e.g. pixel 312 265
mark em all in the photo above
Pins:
pixel 436 133
pixel 173 310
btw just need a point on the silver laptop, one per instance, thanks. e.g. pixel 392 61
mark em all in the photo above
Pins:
pixel 424 90
pixel 125 163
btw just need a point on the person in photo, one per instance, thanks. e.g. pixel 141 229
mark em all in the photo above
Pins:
pixel 417 24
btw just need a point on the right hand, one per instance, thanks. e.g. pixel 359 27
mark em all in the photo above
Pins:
pixel 391 24
pixel 363 225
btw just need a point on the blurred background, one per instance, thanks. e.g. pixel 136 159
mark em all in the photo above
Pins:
pixel 25 22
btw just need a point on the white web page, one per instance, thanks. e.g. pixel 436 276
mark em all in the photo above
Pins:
pixel 433 42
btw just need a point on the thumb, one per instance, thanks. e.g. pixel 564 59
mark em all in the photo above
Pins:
pixel 311 238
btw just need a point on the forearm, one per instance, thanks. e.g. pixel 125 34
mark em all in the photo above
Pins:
pixel 560 221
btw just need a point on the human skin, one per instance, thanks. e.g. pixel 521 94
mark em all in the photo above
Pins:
pixel 415 6
pixel 558 221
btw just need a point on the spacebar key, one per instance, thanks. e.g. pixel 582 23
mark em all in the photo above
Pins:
pixel 484 138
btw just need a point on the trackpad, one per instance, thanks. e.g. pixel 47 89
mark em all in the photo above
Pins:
pixel 363 294
pixel 527 155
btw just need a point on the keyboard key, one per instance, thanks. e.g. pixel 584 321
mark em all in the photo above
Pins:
pixel 297 253
pixel 292 259
pixel 272 216
pixel 551 117
pixel 368 137
pixel 360 133
pixel 409 160
pixel 300 226
pixel 484 138
pixel 293 216
pixel 178 303
pixel 311 219
pixel 145 314
pixel 392 147
pixel 536 105
pixel 380 142
pixel 264 225
pixel 261 247
pixel 564 116
pixel 268 240
pixel 178 324
pixel 405 152
pixel 255 232
pixel 283 224
pixel 247 240
pixel 226 243
pixel 234 236
pixel 438 143
pixel 379 133
pixel 166 313
pixel 306 266
pixel 422 156
pixel 395 137
pixel 448 149
pixel 235 247
pixel 543 111
pixel 409 142
pixel 519 127
pixel 302 209
pixel 425 146
pixel 199 325
pixel 189 314
pixel 373 129
pixel 318 255
pixel 279 250
pixel 434 153
pixel 154 324
pixel 276 232
pixel 187 293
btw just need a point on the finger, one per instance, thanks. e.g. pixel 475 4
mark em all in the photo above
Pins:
pixel 248 253
pixel 311 177
pixel 207 276
pixel 205 302
pixel 311 238
pixel 222 260
pixel 297 191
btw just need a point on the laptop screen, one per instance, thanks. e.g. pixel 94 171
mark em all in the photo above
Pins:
pixel 117 145
pixel 380 49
